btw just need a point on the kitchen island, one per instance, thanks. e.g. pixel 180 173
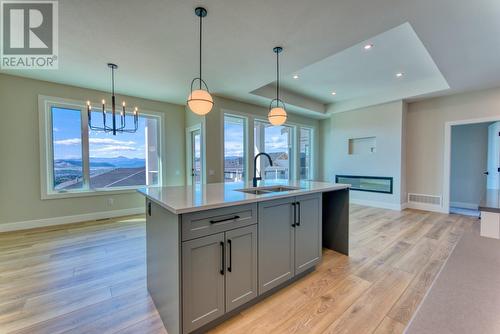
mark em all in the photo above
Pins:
pixel 215 249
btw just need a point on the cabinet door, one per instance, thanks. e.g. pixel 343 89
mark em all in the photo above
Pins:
pixel 276 238
pixel 307 232
pixel 202 281
pixel 241 266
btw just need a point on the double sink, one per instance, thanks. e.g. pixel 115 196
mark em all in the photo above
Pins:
pixel 267 190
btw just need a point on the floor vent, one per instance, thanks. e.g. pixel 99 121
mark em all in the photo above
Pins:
pixel 424 199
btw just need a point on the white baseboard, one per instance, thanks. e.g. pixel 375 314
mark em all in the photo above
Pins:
pixel 426 207
pixel 23 225
pixel 464 205
pixel 377 204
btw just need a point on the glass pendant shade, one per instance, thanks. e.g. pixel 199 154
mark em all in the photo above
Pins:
pixel 277 116
pixel 200 102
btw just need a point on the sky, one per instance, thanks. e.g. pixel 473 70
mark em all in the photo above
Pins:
pixel 275 141
pixel 67 137
pixel 233 139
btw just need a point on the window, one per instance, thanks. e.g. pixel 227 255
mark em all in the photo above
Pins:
pixel 67 167
pixel 305 153
pixel 234 148
pixel 120 161
pixel 80 160
pixel 277 142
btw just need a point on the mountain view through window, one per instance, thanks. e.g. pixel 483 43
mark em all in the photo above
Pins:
pixel 124 160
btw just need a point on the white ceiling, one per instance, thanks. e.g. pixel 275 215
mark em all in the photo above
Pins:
pixel 362 77
pixel 155 42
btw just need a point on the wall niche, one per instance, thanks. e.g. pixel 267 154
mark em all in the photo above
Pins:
pixel 365 145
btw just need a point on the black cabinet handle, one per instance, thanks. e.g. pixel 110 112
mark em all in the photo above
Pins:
pixel 222 264
pixel 298 215
pixel 224 220
pixel 294 214
pixel 230 255
pixel 149 209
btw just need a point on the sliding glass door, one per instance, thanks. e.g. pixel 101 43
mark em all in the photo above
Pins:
pixel 234 148
pixel 277 142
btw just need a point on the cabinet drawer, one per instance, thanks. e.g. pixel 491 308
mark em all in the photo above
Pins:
pixel 199 224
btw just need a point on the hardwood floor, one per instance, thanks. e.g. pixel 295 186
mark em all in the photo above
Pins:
pixel 90 278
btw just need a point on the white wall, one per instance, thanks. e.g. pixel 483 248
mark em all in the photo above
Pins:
pixel 425 134
pixel 469 153
pixel 385 122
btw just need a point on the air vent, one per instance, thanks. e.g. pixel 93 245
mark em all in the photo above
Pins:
pixel 424 199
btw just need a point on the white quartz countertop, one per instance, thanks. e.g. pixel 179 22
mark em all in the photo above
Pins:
pixel 184 199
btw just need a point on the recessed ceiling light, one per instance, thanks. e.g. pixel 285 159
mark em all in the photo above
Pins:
pixel 368 46
pixel 399 74
pixel 295 76
pixel 334 93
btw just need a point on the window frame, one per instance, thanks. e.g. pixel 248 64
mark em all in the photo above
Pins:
pixel 45 105
pixel 246 144
pixel 292 173
pixel 312 149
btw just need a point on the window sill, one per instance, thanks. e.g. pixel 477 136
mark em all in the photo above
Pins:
pixel 90 193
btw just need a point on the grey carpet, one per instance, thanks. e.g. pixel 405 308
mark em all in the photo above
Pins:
pixel 465 297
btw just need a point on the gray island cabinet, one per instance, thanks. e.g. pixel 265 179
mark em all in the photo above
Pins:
pixel 213 250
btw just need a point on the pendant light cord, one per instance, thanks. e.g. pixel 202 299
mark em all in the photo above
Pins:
pixel 201 36
pixel 277 76
pixel 113 81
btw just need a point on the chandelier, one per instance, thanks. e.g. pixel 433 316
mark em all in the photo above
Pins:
pixel 114 127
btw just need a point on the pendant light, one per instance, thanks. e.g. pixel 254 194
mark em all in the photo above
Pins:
pixel 200 101
pixel 114 128
pixel 277 112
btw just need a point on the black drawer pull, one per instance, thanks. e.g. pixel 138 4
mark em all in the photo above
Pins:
pixel 229 268
pixel 294 205
pixel 224 220
pixel 298 215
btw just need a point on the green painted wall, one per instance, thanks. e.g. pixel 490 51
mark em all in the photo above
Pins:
pixel 20 198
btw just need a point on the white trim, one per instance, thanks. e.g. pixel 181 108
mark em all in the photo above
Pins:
pixel 464 205
pixel 28 224
pixel 447 154
pixel 377 204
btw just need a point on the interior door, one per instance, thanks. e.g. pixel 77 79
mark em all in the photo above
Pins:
pixel 492 174
pixel 195 156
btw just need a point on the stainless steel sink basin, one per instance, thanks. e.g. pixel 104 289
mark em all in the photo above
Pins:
pixel 267 190
pixel 254 191
pixel 284 188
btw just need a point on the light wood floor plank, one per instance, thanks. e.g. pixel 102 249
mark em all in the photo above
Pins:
pixel 91 278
